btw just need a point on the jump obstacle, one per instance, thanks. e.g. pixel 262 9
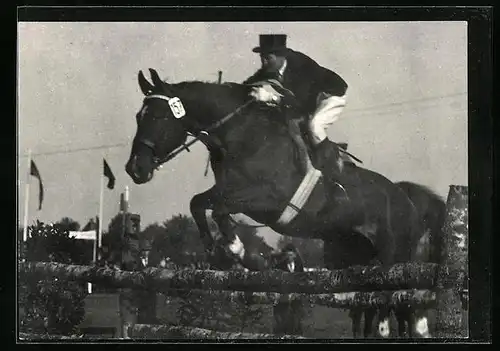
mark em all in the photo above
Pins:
pixel 424 285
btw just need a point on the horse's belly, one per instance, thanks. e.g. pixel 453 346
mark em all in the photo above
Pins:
pixel 307 223
pixel 302 230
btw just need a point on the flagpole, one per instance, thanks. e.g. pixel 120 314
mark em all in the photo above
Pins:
pixel 126 198
pixel 98 241
pixel 101 200
pixel 26 199
pixel 123 211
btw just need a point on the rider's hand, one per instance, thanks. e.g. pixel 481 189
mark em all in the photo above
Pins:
pixel 266 93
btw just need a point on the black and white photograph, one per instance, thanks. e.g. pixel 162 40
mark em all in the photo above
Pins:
pixel 235 180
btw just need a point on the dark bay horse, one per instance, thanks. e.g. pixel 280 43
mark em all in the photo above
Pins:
pixel 257 172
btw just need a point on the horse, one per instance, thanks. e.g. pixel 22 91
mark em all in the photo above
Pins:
pixel 431 210
pixel 258 174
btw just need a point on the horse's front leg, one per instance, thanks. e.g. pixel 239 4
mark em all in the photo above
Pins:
pixel 402 314
pixel 250 259
pixel 355 314
pixel 199 205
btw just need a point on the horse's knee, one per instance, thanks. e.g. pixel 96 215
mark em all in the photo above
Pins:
pixel 199 203
pixel 194 203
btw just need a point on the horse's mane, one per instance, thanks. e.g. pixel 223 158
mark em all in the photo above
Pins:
pixel 231 93
pixel 211 88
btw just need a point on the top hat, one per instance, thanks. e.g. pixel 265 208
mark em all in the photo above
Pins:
pixel 271 43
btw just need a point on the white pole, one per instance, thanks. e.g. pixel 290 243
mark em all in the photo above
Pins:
pixel 98 239
pixel 101 213
pixel 26 199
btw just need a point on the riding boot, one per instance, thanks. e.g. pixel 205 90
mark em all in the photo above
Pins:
pixel 304 158
pixel 326 161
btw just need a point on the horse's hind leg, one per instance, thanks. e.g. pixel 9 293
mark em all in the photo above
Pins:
pixel 355 315
pixel 369 316
pixel 402 316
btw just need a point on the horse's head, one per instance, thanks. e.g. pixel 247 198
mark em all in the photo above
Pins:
pixel 159 128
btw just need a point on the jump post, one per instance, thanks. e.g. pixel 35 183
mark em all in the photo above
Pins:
pixel 424 284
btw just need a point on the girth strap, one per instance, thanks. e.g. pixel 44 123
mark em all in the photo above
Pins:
pixel 300 197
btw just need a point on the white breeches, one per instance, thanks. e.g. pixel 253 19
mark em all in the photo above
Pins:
pixel 327 112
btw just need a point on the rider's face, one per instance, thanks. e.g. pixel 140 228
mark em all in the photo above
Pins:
pixel 271 62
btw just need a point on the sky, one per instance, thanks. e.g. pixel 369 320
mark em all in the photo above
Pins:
pixel 406 112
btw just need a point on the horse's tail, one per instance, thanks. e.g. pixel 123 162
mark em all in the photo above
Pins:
pixel 431 209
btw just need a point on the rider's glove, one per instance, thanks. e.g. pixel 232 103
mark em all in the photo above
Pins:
pixel 266 93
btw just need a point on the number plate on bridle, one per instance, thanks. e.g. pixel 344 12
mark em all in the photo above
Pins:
pixel 176 107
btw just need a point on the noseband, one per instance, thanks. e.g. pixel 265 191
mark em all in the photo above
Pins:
pixel 178 111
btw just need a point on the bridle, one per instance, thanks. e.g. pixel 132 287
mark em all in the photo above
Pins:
pixel 178 111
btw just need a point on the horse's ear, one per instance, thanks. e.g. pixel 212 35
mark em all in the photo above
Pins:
pixel 155 77
pixel 146 86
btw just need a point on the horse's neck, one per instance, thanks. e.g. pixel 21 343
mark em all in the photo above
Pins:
pixel 216 102
pixel 254 130
pixel 249 132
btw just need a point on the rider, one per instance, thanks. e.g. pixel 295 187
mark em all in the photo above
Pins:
pixel 320 92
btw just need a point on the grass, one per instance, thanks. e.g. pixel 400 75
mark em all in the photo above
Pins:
pixel 318 322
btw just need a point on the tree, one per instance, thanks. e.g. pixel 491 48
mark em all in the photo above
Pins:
pixel 112 243
pixel 154 234
pixel 92 224
pixel 67 224
pixel 181 238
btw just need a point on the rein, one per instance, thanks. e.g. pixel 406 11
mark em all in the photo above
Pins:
pixel 348 153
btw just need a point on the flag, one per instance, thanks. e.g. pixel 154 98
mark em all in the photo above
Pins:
pixel 34 172
pixel 109 175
